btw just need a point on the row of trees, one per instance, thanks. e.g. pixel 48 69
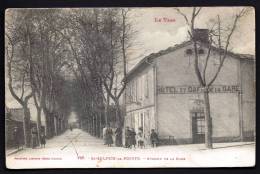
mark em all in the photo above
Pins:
pixel 98 41
pixel 35 60
pixel 88 45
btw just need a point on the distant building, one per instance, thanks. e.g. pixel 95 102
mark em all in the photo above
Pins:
pixel 163 93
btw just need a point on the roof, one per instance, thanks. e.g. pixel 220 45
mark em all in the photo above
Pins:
pixel 16 114
pixel 178 46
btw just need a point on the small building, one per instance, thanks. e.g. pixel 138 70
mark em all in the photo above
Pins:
pixel 14 118
pixel 163 93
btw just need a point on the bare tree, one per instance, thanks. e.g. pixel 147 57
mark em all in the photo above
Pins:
pixel 19 71
pixel 113 81
pixel 219 38
pixel 39 49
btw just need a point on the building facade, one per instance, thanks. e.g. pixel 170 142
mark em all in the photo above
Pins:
pixel 163 93
pixel 14 118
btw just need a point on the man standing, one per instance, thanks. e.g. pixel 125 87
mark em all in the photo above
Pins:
pixel 42 139
pixel 154 138
pixel 16 137
pixel 109 133
pixel 34 137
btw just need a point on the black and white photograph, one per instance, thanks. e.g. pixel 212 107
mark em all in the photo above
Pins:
pixel 121 87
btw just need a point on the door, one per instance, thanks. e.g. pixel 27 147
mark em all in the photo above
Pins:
pixel 198 126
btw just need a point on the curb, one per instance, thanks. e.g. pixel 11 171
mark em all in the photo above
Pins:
pixel 13 152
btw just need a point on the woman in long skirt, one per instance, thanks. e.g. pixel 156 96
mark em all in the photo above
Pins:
pixel 109 139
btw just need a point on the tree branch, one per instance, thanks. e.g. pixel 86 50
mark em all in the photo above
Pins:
pixel 237 17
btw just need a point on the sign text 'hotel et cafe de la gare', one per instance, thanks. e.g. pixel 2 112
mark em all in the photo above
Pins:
pixel 197 89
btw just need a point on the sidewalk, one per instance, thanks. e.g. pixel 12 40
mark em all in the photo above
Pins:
pixel 12 151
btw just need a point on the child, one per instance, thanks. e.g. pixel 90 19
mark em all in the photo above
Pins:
pixel 140 139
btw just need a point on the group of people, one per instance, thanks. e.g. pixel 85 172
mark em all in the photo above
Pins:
pixel 131 137
pixel 34 137
pixel 108 136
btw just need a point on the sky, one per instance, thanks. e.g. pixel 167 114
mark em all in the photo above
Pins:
pixel 153 36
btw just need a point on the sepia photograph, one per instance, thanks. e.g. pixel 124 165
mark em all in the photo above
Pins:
pixel 121 87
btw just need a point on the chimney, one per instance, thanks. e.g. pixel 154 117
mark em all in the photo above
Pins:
pixel 201 35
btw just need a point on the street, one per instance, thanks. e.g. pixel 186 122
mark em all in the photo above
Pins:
pixel 78 149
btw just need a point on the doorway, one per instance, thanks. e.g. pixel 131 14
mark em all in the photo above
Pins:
pixel 198 126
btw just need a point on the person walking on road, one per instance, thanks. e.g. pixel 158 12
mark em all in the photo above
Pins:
pixel 109 139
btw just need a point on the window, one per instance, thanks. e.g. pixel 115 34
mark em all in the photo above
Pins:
pixel 141 120
pixel 139 88
pixel 146 86
pixel 136 90
pixel 188 51
pixel 201 51
pixel 130 94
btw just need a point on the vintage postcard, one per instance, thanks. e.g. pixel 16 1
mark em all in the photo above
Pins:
pixel 130 87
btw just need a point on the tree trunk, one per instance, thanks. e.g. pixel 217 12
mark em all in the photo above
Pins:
pixel 100 124
pixel 93 126
pixel 26 126
pixel 119 120
pixel 208 120
pixel 47 122
pixel 96 126
pixel 107 108
pixel 55 125
pixel 52 123
pixel 118 114
pixel 39 124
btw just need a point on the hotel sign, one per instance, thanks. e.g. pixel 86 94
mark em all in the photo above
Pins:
pixel 197 89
